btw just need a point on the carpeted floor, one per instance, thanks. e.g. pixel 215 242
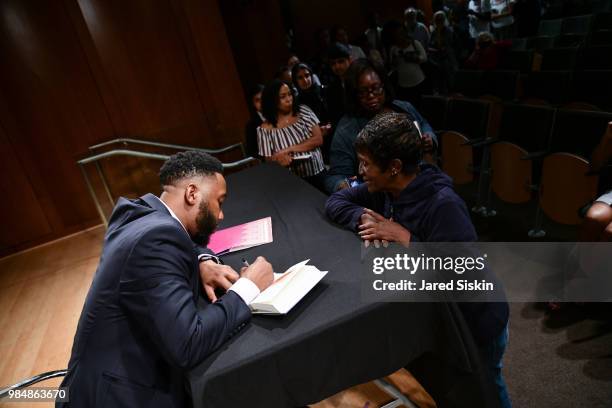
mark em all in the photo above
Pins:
pixel 560 360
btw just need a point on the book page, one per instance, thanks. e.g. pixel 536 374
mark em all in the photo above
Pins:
pixel 289 288
pixel 305 279
pixel 281 280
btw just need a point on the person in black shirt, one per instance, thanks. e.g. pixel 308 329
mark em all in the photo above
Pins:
pixel 339 61
pixel 254 104
pixel 312 95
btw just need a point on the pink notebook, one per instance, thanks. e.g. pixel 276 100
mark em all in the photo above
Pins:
pixel 242 236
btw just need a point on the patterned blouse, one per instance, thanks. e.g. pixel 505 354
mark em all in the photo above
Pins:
pixel 275 139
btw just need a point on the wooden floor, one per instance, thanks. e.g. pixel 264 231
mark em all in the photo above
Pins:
pixel 41 296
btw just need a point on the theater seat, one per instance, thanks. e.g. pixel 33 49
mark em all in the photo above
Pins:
pixel 511 177
pixel 550 27
pixel 597 57
pixel 469 83
pixel 457 157
pixel 541 43
pixel 576 25
pixel 566 187
pixel 433 108
pixel 555 59
pixel 524 130
pixel 593 87
pixel 550 86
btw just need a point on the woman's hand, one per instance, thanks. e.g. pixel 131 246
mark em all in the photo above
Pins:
pixel 376 227
pixel 282 157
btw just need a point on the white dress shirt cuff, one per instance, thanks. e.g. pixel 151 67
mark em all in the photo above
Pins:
pixel 246 289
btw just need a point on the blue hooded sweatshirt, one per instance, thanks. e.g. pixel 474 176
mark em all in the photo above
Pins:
pixel 431 210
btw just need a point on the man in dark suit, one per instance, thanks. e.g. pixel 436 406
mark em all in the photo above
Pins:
pixel 140 329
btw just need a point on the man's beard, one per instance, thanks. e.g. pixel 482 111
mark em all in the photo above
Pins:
pixel 206 224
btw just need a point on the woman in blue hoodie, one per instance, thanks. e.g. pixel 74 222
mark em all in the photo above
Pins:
pixel 404 200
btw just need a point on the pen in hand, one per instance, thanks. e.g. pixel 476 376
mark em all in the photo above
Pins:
pixel 245 263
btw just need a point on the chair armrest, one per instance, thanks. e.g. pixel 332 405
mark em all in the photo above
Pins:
pixel 474 141
pixel 486 142
pixel 535 155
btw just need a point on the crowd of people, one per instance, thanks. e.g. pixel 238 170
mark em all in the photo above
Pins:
pixel 354 111
pixel 387 68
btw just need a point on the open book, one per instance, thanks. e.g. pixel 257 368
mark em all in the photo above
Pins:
pixel 241 236
pixel 288 289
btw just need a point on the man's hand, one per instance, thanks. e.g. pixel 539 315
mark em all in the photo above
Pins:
pixel 259 272
pixel 377 227
pixel 215 276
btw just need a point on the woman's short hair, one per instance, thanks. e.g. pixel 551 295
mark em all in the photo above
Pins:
pixel 270 99
pixel 351 83
pixel 390 136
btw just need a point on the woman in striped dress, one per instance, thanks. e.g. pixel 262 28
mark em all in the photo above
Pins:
pixel 290 136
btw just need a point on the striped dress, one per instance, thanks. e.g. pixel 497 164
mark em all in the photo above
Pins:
pixel 275 139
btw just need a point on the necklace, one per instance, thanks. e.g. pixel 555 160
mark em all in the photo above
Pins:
pixel 285 121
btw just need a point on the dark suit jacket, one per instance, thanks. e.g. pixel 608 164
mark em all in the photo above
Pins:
pixel 140 329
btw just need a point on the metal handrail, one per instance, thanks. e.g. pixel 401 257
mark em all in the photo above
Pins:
pixel 32 380
pixel 133 153
pixel 168 145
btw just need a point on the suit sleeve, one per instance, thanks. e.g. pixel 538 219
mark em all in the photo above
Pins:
pixel 157 292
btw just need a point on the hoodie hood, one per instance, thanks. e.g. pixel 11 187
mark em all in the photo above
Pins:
pixel 430 181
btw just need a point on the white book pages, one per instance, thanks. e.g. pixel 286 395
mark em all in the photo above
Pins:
pixel 287 290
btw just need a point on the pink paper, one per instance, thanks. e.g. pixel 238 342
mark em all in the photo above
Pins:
pixel 242 236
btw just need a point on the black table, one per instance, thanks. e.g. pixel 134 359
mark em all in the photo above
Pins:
pixel 331 340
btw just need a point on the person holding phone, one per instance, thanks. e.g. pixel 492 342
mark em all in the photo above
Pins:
pixel 313 95
pixel 291 131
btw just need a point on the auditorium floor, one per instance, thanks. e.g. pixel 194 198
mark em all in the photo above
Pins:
pixel 560 361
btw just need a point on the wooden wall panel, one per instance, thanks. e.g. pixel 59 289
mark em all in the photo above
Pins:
pixel 214 68
pixel 257 37
pixel 78 72
pixel 23 217
pixel 143 60
pixel 50 108
pixel 310 15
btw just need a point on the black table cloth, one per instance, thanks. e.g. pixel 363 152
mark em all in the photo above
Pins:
pixel 331 340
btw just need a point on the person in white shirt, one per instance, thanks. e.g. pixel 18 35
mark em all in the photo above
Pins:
pixel 417 30
pixel 501 18
pixel 407 55
pixel 480 17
